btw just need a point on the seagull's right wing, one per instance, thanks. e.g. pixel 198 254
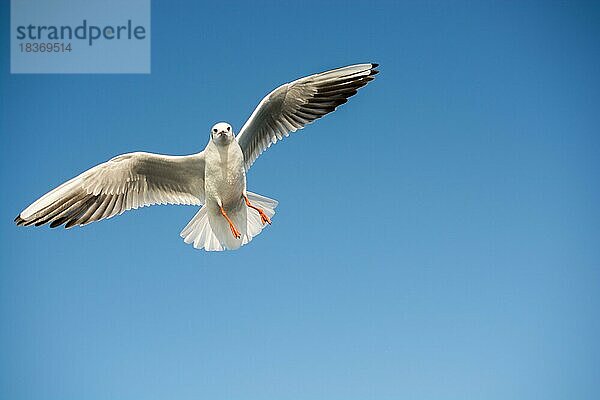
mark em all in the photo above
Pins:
pixel 127 181
pixel 295 104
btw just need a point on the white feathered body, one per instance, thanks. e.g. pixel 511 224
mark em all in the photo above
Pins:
pixel 225 185
pixel 224 177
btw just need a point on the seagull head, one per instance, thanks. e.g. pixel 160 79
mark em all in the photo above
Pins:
pixel 222 133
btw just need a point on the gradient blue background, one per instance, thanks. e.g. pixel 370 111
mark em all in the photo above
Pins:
pixel 437 237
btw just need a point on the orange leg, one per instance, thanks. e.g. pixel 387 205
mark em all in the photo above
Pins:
pixel 263 216
pixel 234 230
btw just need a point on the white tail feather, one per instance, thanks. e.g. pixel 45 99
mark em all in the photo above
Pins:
pixel 212 233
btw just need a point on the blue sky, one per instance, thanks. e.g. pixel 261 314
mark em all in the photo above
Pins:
pixel 436 238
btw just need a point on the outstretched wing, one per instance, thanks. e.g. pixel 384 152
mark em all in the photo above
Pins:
pixel 295 104
pixel 127 181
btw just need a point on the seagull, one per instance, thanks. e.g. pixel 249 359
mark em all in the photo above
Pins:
pixel 215 178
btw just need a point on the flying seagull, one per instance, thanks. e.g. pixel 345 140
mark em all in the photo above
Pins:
pixel 215 178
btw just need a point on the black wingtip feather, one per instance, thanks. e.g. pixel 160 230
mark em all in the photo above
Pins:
pixel 374 65
pixel 71 223
pixel 18 220
pixel 56 223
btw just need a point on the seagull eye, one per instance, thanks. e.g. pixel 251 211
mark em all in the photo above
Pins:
pixel 228 129
pixel 215 130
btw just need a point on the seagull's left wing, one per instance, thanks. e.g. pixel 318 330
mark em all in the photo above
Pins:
pixel 295 104
pixel 127 181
